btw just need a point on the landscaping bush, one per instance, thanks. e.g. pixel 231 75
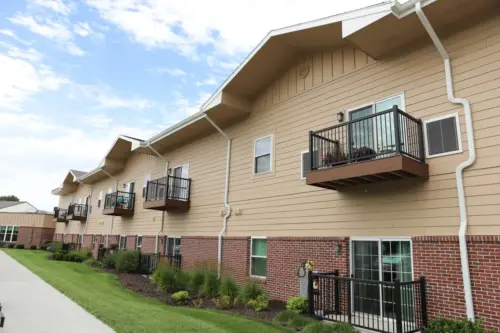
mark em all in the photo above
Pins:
pixel 57 256
pixel 261 303
pixel 329 328
pixel 198 303
pixel 33 247
pixel 45 245
pixel 228 287
pixel 169 279
pixel 109 260
pixel 223 302
pixel 3 244
pixel 55 247
pixel 127 261
pixel 291 318
pixel 196 281
pixel 442 325
pixel 20 246
pixel 211 285
pixel 180 297
pixel 92 262
pixel 11 245
pixel 251 290
pixel 297 304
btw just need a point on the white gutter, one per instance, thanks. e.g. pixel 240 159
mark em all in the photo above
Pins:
pixel 112 217
pixel 460 169
pixel 163 212
pixel 226 195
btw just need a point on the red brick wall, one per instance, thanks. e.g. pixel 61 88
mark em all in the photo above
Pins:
pixel 131 242
pixel 285 254
pixel 236 258
pixel 438 258
pixel 199 250
pixel 87 242
pixel 148 244
pixel 34 236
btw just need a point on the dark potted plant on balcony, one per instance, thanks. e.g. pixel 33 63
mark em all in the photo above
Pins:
pixel 334 157
pixel 363 154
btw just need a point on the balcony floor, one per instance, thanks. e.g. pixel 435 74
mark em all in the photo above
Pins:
pixel 169 205
pixel 77 218
pixel 373 171
pixel 118 212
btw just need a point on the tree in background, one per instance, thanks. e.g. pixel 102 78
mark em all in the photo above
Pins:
pixel 8 198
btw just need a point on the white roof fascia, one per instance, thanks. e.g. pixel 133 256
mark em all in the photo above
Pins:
pixel 301 26
pixel 180 125
pixel 351 26
pixel 401 10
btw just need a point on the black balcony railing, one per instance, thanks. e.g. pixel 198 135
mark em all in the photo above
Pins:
pixel 119 199
pixel 169 188
pixel 77 210
pixel 393 307
pixel 60 214
pixel 383 134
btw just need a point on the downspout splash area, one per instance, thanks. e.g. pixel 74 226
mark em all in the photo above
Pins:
pixel 462 235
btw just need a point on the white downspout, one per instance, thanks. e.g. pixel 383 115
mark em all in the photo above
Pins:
pixel 460 169
pixel 112 217
pixel 86 222
pixel 160 230
pixel 226 195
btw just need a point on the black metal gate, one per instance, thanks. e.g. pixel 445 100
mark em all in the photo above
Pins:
pixel 392 307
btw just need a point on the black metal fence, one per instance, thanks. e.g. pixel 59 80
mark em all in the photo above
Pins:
pixel 393 307
pixel 170 187
pixel 383 134
pixel 119 199
pixel 77 210
pixel 61 214
pixel 149 261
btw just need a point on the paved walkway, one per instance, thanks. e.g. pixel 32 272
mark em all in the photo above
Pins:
pixel 31 305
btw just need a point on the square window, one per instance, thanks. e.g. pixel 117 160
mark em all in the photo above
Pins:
pixel 139 242
pixel 258 259
pixel 443 136
pixel 263 155
pixel 123 243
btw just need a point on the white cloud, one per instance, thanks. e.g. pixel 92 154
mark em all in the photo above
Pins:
pixel 8 32
pixel 57 6
pixel 228 65
pixel 186 107
pixel 82 29
pixel 29 54
pixel 50 29
pixel 211 81
pixel 169 71
pixel 105 98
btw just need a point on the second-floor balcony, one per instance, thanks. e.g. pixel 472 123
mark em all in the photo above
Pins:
pixel 77 212
pixel 119 203
pixel 60 215
pixel 379 147
pixel 169 193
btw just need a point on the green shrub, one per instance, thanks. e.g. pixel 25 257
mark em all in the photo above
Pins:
pixel 291 318
pixel 169 279
pixel 442 325
pixel 92 262
pixel 55 247
pixel 11 245
pixel 223 302
pixel 259 304
pixel 57 256
pixel 127 261
pixel 198 303
pixel 297 304
pixel 228 287
pixel 33 247
pixel 180 297
pixel 251 291
pixel 196 281
pixel 109 260
pixel 20 246
pixel 211 285
pixel 319 327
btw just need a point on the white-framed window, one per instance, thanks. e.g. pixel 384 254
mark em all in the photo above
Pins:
pixel 138 245
pixel 147 178
pixel 173 246
pixel 99 200
pixel 442 136
pixel 122 245
pixel 258 257
pixel 9 233
pixel 93 241
pixel 263 155
pixel 102 239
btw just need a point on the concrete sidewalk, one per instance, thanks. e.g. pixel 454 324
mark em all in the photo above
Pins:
pixel 32 306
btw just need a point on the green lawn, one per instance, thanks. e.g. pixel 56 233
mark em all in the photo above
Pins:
pixel 126 312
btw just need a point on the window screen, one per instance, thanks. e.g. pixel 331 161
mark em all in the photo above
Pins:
pixel 258 259
pixel 442 136
pixel 263 155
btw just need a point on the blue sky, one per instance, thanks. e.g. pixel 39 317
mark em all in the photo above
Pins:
pixel 75 74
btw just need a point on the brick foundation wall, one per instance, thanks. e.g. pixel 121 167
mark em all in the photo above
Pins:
pixel 131 242
pixel 235 258
pixel 199 250
pixel 438 258
pixel 148 244
pixel 29 236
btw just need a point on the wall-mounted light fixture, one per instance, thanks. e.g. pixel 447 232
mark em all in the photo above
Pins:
pixel 340 117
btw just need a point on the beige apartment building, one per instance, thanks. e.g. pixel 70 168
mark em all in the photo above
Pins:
pixel 354 141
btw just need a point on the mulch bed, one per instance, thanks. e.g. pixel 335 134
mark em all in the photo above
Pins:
pixel 142 285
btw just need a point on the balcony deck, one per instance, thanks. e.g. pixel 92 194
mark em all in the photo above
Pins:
pixel 171 194
pixel 77 212
pixel 381 147
pixel 119 204
pixel 60 215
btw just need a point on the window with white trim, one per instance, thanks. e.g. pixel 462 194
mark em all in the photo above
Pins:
pixel 102 239
pixel 263 149
pixel 9 233
pixel 99 200
pixel 93 241
pixel 173 246
pixel 123 243
pixel 138 246
pixel 442 136
pixel 258 257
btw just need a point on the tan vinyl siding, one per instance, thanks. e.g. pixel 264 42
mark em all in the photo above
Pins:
pixel 27 220
pixel 281 204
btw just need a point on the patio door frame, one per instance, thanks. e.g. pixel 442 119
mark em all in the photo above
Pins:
pixel 379 240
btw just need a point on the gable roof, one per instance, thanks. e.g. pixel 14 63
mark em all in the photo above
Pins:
pixel 5 204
